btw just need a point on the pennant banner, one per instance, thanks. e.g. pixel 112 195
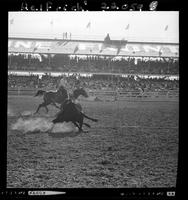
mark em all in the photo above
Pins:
pixel 93 48
pixel 127 27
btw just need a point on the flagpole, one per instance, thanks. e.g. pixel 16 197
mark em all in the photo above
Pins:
pixel 127 30
pixel 88 26
pixel 165 35
pixel 11 23
pixel 51 23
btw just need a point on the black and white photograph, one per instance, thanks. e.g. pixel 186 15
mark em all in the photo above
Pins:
pixel 93 99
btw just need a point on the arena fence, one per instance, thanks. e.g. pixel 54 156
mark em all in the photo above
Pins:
pixel 136 95
pixel 108 95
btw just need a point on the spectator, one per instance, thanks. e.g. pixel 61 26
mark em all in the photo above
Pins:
pixel 65 63
pixel 96 82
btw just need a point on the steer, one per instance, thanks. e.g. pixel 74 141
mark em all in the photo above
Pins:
pixel 70 113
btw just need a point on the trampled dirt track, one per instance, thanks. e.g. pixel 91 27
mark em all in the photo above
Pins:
pixel 134 144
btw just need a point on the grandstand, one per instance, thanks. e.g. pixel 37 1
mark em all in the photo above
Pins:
pixel 100 64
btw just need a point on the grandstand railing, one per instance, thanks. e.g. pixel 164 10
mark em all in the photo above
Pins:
pixel 112 95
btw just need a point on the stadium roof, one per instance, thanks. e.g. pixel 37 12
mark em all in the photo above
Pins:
pixel 93 47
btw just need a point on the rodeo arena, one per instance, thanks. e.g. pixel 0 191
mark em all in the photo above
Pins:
pixel 89 112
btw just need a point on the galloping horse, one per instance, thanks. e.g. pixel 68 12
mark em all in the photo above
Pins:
pixel 58 97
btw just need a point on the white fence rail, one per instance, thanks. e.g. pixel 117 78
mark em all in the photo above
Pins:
pixel 113 95
pixel 126 95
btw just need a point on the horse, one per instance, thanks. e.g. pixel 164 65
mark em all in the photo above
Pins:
pixel 70 113
pixel 52 97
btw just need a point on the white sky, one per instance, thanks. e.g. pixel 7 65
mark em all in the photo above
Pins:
pixel 143 26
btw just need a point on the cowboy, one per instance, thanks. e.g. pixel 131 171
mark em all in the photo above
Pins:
pixel 62 84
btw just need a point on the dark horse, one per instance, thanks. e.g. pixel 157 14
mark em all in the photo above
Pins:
pixel 58 97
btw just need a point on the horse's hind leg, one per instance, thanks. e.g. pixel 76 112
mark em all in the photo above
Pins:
pixel 41 105
pixel 46 108
pixel 81 123
pixel 76 125
pixel 87 125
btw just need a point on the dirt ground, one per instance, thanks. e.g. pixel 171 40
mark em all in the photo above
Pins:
pixel 134 144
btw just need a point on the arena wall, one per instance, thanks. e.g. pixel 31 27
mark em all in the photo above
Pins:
pixel 102 95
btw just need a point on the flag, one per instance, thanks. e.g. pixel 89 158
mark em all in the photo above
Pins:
pixel 127 27
pixel 11 21
pixel 88 25
pixel 118 50
pixel 107 38
pixel 166 27
pixel 160 53
pixel 76 49
pixel 35 49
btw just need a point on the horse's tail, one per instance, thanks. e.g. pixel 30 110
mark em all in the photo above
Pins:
pixel 92 119
pixel 39 93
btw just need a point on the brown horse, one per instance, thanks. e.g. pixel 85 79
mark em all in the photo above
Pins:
pixel 58 97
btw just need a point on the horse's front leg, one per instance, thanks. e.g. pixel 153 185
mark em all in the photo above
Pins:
pixel 40 105
pixel 46 108
pixel 53 103
pixel 37 109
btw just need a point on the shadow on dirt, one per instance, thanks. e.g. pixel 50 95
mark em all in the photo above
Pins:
pixel 69 134
pixel 37 132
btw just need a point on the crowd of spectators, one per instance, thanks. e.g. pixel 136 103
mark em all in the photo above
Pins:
pixel 66 63
pixel 95 82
